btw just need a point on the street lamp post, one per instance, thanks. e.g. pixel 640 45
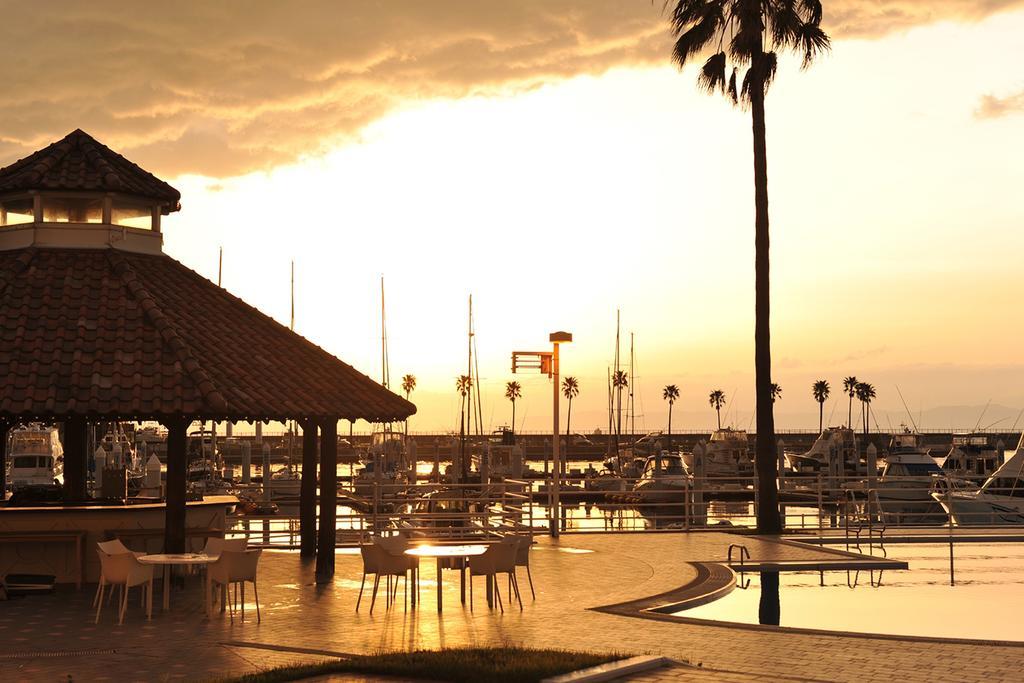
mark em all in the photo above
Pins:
pixel 547 363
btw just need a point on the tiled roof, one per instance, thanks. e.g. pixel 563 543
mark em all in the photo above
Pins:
pixel 79 162
pixel 100 332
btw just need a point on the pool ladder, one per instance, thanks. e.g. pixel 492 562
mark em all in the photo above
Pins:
pixel 743 582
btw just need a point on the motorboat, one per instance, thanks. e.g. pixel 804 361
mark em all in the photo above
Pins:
pixel 972 457
pixel 36 457
pixel 725 455
pixel 1000 500
pixel 500 456
pixel 385 465
pixel 664 480
pixel 903 491
pixel 836 445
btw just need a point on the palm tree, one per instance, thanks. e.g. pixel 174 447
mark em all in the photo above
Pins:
pixel 776 390
pixel 850 387
pixel 513 392
pixel 865 393
pixel 408 386
pixel 464 384
pixel 570 389
pixel 620 380
pixel 752 32
pixel 670 393
pixel 717 399
pixel 820 390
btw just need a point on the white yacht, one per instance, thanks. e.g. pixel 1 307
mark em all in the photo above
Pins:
pixel 664 479
pixel 726 455
pixel 904 490
pixel 385 464
pixel 835 444
pixel 1000 500
pixel 972 457
pixel 36 457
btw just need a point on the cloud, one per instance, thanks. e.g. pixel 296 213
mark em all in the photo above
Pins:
pixel 993 107
pixel 876 18
pixel 228 87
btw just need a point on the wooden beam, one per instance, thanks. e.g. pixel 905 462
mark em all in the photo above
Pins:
pixel 307 490
pixel 177 467
pixel 76 458
pixel 328 500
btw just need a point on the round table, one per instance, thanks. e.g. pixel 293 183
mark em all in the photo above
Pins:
pixel 443 552
pixel 167 560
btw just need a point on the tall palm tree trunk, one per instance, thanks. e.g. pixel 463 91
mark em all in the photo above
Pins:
pixel 513 420
pixel 821 416
pixel 765 458
pixel 568 440
pixel 718 411
pixel 669 427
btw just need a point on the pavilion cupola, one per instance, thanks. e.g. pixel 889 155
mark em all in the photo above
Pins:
pixel 78 193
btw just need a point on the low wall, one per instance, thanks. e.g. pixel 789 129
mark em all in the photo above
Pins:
pixel 140 527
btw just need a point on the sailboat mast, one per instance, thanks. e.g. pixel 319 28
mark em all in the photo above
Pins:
pixel 469 368
pixel 618 389
pixel 385 378
pixel 632 384
pixel 611 409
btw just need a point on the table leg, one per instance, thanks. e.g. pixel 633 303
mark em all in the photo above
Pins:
pixel 490 590
pixel 412 597
pixel 462 579
pixel 149 598
pixel 167 587
pixel 439 585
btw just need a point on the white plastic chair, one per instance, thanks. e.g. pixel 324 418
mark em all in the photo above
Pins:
pixel 113 547
pixel 215 545
pixel 499 558
pixel 524 543
pixel 125 570
pixel 379 562
pixel 234 568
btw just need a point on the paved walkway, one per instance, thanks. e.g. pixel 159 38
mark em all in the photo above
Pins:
pixel 304 623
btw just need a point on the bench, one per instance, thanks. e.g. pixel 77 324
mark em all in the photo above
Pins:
pixel 76 537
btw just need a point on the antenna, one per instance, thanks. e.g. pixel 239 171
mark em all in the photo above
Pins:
pixel 909 414
pixel 220 264
pixel 292 324
pixel 978 423
pixel 1014 427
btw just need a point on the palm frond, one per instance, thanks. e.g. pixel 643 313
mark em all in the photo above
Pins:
pixel 812 41
pixel 712 74
pixel 695 38
pixel 760 74
pixel 731 90
pixel 812 9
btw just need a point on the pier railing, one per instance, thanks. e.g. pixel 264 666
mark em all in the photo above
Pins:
pixel 853 506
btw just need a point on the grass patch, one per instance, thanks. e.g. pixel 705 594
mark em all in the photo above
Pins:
pixel 500 664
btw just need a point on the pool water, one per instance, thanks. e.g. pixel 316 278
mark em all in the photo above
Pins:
pixel 983 604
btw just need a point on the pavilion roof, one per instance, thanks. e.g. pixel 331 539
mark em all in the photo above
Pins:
pixel 80 163
pixel 101 332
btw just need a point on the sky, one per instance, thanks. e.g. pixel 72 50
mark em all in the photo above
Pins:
pixel 547 158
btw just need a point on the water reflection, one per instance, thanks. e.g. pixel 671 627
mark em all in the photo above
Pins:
pixel 768 609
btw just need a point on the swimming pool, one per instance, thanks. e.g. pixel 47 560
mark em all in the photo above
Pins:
pixel 983 604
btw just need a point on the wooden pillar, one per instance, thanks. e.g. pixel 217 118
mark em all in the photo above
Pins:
pixel 5 429
pixel 307 490
pixel 328 499
pixel 177 467
pixel 76 458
